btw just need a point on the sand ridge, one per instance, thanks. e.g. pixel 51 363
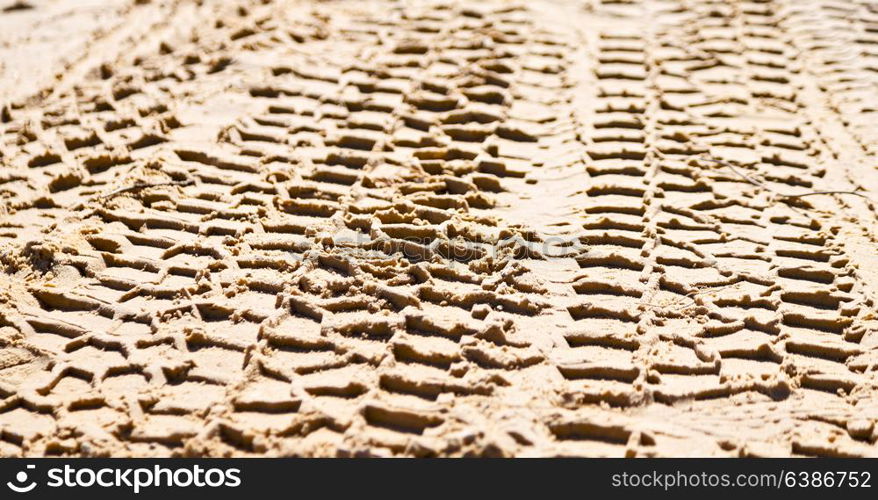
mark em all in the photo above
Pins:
pixel 440 229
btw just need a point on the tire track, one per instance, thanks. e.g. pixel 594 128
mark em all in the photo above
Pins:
pixel 368 229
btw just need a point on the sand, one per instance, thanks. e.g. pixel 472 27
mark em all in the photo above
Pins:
pixel 378 228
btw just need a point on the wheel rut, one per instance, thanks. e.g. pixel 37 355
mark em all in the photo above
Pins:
pixel 432 229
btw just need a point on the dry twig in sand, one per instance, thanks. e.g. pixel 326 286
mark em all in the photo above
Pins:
pixel 762 185
pixel 144 185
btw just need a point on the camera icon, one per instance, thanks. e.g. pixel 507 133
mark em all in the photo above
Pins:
pixel 21 478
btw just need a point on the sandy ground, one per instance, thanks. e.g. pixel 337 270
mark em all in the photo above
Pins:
pixel 439 229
